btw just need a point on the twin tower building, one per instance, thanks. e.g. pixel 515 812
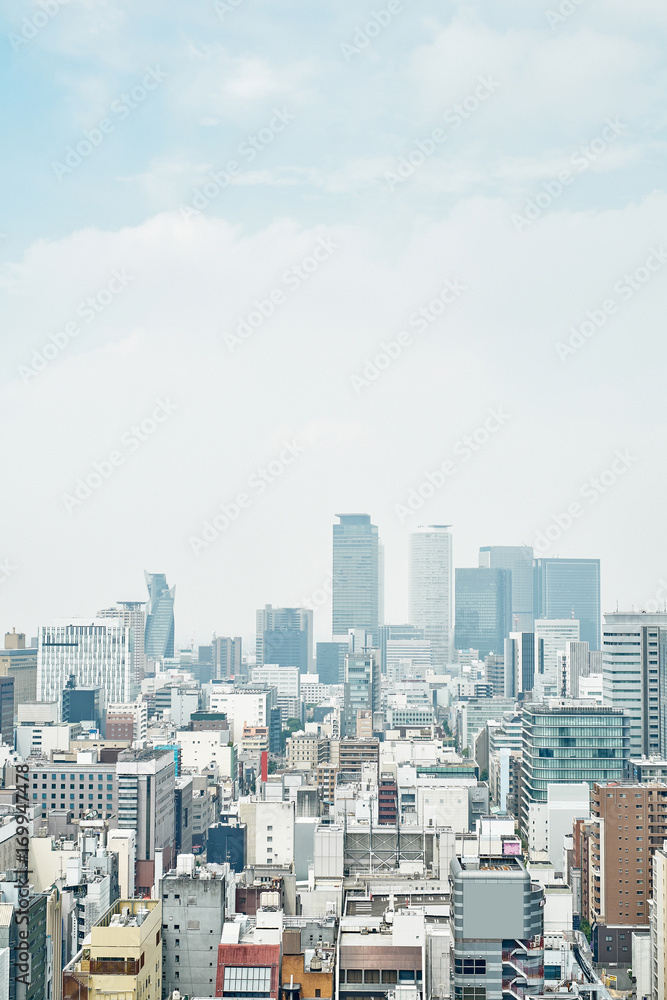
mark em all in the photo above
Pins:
pixel 505 593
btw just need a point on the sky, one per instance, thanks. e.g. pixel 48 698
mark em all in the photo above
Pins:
pixel 262 263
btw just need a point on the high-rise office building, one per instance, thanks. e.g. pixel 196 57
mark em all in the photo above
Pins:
pixel 132 613
pixel 406 645
pixel 551 637
pixel 577 665
pixel 146 784
pixel 497 929
pixel 284 637
pixel 432 588
pixel 82 704
pixel 159 632
pixel 569 588
pixel 634 658
pixel 519 560
pixel 483 609
pixel 564 742
pixel 7 710
pixel 361 687
pixel 357 588
pixel 330 662
pixel 97 653
pixel 227 654
pixel 519 663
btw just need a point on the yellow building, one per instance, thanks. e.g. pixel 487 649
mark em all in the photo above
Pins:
pixel 122 957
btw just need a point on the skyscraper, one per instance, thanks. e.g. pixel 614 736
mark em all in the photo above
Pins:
pixel 159 634
pixel 132 613
pixel 357 589
pixel 97 653
pixel 227 653
pixel 431 588
pixel 284 637
pixel 483 609
pixel 569 588
pixel 634 659
pixel 565 743
pixel 362 686
pixel 519 560
pixel 519 663
pixel 551 637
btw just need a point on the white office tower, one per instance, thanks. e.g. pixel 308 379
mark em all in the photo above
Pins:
pixel 432 588
pixel 577 665
pixel 131 613
pixel 551 637
pixel 97 652
pixel 633 646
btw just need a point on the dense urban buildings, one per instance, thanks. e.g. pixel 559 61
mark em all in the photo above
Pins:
pixel 398 813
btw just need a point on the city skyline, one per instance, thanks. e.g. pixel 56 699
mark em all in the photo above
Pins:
pixel 346 322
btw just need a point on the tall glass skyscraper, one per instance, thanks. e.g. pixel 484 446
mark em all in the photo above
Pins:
pixel 483 609
pixel 431 588
pixel 284 637
pixel 519 560
pixel 569 588
pixel 357 589
pixel 159 634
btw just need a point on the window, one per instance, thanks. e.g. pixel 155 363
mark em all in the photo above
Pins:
pixel 389 976
pixel 354 975
pixel 318 993
pixel 372 976
pixel 254 982
pixel 470 966
pixel 406 975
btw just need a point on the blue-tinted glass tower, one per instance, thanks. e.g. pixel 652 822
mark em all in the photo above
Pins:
pixel 357 587
pixel 570 588
pixel 483 609
pixel 159 635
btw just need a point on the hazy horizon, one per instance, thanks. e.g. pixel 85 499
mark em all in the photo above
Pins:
pixel 219 219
